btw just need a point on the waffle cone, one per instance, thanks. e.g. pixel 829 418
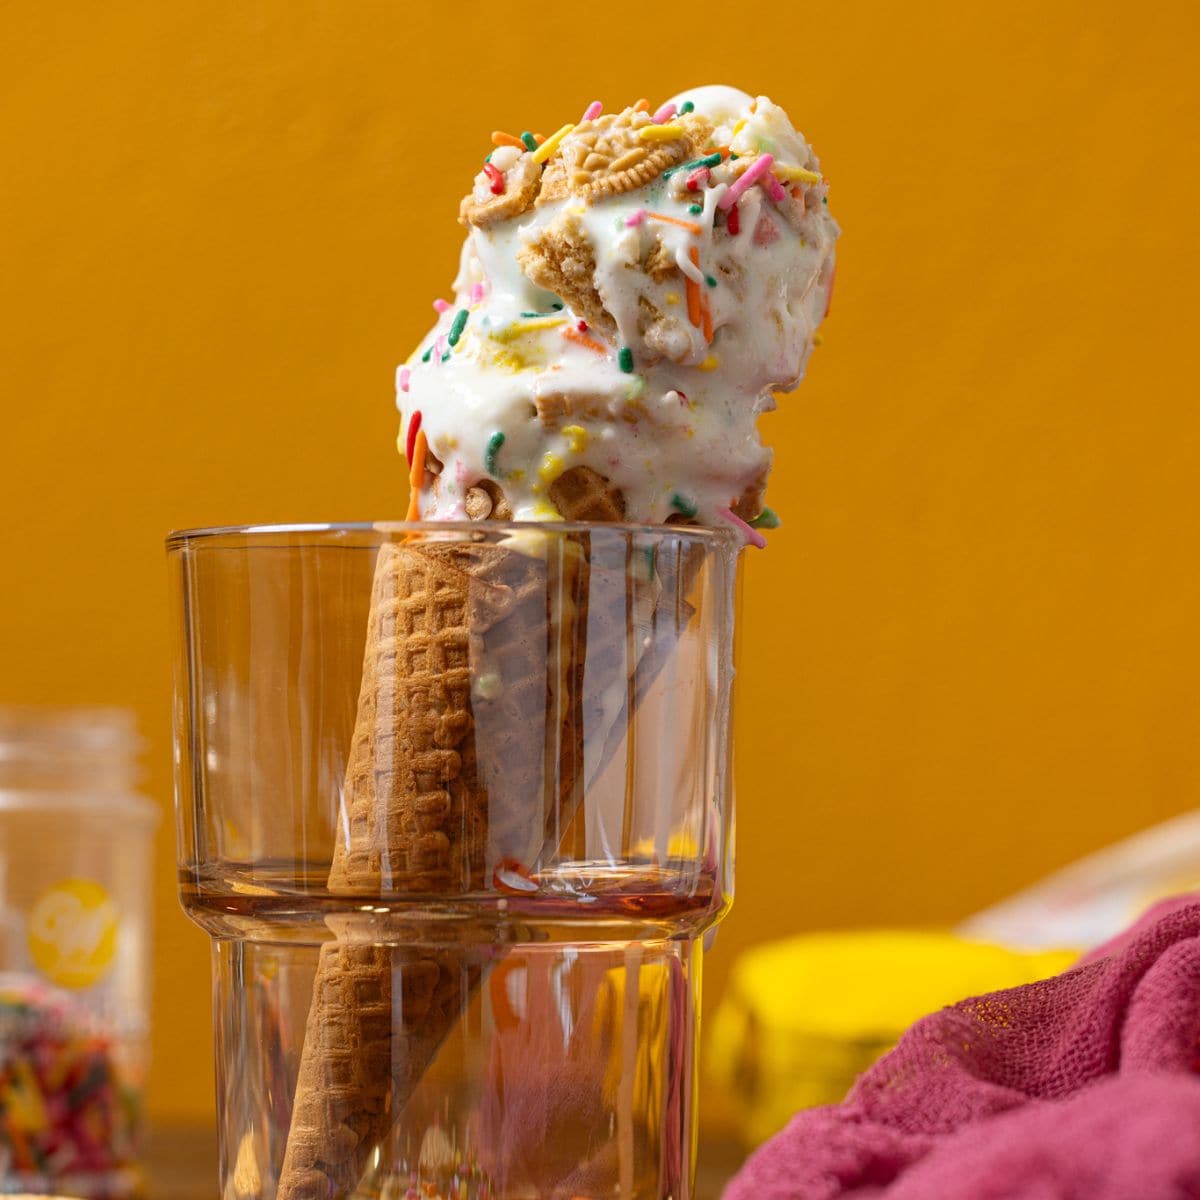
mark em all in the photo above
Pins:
pixel 467 751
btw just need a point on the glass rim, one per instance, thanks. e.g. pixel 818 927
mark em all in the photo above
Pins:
pixel 480 530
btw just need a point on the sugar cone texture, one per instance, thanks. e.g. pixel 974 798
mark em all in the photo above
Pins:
pixel 468 752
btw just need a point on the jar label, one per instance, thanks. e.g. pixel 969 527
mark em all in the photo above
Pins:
pixel 72 933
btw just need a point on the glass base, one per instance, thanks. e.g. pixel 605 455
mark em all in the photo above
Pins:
pixel 511 1050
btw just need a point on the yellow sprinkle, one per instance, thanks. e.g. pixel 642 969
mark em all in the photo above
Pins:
pixel 401 442
pixel 516 476
pixel 818 339
pixel 577 438
pixel 549 146
pixel 533 325
pixel 795 174
pixel 660 133
pixel 544 511
pixel 552 467
pixel 711 363
pixel 672 297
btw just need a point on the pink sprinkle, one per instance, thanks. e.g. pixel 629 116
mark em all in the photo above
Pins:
pixel 405 375
pixel 775 189
pixel 748 178
pixel 664 114
pixel 440 305
pixel 592 111
pixel 697 179
pixel 477 292
pixel 752 536
pixel 439 347
pixel 636 217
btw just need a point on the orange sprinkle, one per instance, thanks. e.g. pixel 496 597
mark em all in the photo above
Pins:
pixel 416 477
pixel 500 138
pixel 643 105
pixel 723 151
pixel 706 316
pixel 693 292
pixel 539 138
pixel 582 339
pixel 690 226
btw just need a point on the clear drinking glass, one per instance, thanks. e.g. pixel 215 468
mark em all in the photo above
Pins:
pixel 454 804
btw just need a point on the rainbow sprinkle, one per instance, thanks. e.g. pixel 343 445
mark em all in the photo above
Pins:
pixel 660 133
pixel 495 179
pixel 500 138
pixel 460 323
pixel 493 448
pixel 592 111
pixel 403 378
pixel 796 174
pixel 410 442
pixel 664 114
pixel 440 305
pixel 549 146
pixel 636 217
pixel 686 107
pixel 752 536
pixel 528 140
pixel 709 160
pixel 625 360
pixel 748 178
pixel 767 519
pixel 681 504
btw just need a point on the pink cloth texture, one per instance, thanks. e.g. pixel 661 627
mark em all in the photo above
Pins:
pixel 1080 1087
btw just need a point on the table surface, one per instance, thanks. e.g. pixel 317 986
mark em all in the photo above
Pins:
pixel 183 1165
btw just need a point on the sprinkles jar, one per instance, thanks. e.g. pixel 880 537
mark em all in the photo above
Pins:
pixel 75 856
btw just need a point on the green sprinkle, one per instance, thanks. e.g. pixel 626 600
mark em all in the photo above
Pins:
pixel 625 360
pixel 709 160
pixel 710 281
pixel 489 157
pixel 733 156
pixel 529 140
pixel 651 553
pixel 767 519
pixel 425 356
pixel 445 356
pixel 557 307
pixel 529 316
pixel 493 448
pixel 460 323
pixel 824 199
pixel 681 504
pixel 686 107
pixel 695 209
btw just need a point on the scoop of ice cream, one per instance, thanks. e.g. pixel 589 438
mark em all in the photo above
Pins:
pixel 632 291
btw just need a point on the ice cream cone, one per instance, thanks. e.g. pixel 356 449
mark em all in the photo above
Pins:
pixel 467 752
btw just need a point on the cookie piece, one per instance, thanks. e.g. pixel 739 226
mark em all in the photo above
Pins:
pixel 608 155
pixel 522 179
pixel 554 408
pixel 561 260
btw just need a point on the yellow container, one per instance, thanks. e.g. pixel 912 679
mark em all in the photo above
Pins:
pixel 802 1018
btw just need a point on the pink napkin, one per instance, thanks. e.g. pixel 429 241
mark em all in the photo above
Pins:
pixel 1080 1087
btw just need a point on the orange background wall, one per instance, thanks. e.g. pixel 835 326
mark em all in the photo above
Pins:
pixel 970 655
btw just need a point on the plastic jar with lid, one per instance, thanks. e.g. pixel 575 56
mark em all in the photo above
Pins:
pixel 76 851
